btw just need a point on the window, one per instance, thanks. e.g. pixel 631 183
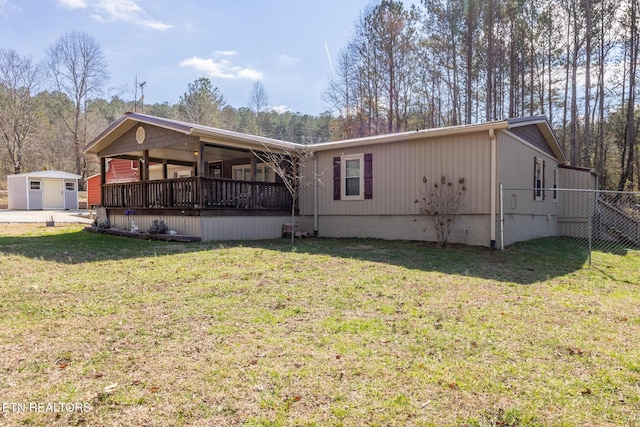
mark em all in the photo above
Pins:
pixel 555 184
pixel 264 173
pixel 215 169
pixel 34 185
pixel 538 179
pixel 134 165
pixel 70 186
pixel 353 185
pixel 353 177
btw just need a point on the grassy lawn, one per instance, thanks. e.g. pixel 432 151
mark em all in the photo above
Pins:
pixel 328 333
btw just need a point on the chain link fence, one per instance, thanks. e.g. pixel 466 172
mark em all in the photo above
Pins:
pixel 583 224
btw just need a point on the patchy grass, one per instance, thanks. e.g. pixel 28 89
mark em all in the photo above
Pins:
pixel 330 332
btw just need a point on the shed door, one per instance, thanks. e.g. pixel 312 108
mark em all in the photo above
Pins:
pixel 53 194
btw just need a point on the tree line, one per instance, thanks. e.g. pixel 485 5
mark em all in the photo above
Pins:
pixel 455 62
pixel 51 110
pixel 439 63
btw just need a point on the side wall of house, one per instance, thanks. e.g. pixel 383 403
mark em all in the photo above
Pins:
pixel 398 169
pixel 575 207
pixel 525 217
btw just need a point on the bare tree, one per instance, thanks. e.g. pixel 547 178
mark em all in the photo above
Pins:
pixel 258 103
pixel 291 164
pixel 442 202
pixel 77 68
pixel 19 80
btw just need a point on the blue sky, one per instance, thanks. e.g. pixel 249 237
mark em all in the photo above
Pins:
pixel 169 44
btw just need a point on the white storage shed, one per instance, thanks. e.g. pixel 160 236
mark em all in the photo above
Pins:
pixel 43 190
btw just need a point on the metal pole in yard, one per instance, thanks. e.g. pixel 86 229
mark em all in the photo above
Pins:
pixel 591 215
pixel 501 218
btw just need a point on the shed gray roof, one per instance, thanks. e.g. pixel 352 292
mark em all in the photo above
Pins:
pixel 48 174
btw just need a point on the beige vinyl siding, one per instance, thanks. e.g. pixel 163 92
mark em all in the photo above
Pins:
pixel 577 179
pixel 398 169
pixel 575 207
pixel 242 228
pixel 516 160
pixel 524 217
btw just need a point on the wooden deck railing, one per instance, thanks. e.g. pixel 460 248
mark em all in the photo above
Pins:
pixel 197 192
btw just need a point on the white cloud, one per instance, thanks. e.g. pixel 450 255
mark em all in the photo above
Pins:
pixel 286 59
pixel 116 10
pixel 119 10
pixel 7 8
pixel 280 109
pixel 155 25
pixel 72 4
pixel 226 53
pixel 222 68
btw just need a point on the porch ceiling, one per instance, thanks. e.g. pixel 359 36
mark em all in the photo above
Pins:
pixel 185 152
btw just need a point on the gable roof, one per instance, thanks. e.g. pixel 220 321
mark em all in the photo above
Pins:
pixel 205 133
pixel 544 138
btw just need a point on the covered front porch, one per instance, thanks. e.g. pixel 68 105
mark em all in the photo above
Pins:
pixel 201 193
pixel 192 177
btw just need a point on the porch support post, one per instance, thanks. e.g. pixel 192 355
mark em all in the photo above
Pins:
pixel 253 195
pixel 164 169
pixel 493 164
pixel 201 200
pixel 145 166
pixel 144 175
pixel 103 179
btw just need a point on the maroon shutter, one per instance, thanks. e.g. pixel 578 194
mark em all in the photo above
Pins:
pixel 336 178
pixel 543 183
pixel 368 176
pixel 535 181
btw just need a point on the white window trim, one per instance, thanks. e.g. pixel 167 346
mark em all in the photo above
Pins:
pixel 35 181
pixel 539 189
pixel 343 177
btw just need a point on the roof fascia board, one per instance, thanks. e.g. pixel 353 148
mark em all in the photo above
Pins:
pixel 409 136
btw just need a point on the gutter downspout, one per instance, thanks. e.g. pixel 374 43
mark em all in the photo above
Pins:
pixel 315 196
pixel 494 183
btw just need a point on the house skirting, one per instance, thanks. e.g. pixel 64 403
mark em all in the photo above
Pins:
pixel 209 227
pixel 468 229
pixel 523 227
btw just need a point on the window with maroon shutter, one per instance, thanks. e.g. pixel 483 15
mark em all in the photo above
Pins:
pixel 538 179
pixel 368 176
pixel 544 185
pixel 353 177
pixel 336 178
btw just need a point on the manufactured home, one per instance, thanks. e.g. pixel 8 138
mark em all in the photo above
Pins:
pixel 367 186
pixel 43 190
